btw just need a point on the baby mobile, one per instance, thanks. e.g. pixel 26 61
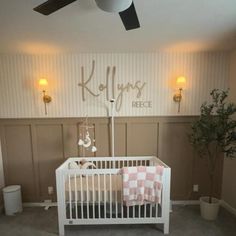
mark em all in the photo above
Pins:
pixel 85 139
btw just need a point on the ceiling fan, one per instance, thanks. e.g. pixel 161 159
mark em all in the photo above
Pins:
pixel 125 8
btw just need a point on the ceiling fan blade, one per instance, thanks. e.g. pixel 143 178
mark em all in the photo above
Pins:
pixel 129 18
pixel 51 6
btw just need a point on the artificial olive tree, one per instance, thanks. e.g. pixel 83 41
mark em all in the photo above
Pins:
pixel 214 132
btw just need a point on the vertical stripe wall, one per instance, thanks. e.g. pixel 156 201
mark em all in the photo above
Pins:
pixel 20 96
pixel 1 171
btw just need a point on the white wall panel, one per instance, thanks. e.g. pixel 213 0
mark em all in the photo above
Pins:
pixel 20 97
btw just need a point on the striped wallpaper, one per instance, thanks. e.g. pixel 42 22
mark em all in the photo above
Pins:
pixel 20 96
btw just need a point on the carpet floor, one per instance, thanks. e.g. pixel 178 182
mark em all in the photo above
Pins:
pixel 185 220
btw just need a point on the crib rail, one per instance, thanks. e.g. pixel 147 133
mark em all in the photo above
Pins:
pixel 115 162
pixel 94 196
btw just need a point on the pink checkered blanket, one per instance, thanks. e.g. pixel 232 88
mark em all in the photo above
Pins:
pixel 142 184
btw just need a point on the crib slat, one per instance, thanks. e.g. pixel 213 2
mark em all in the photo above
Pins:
pixel 151 206
pixel 93 196
pixel 82 197
pixel 70 207
pixel 127 211
pixel 145 210
pixel 105 196
pixel 110 196
pixel 64 183
pixel 99 198
pixel 121 204
pixel 76 197
pixel 116 196
pixel 139 211
pixel 156 210
pixel 87 197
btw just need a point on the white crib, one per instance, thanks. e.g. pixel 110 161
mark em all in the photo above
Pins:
pixel 94 196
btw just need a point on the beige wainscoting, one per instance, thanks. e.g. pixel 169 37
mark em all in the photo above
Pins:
pixel 33 148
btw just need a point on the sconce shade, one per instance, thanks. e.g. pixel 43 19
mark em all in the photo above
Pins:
pixel 43 83
pixel 181 81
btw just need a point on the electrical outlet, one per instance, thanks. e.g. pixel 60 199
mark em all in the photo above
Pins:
pixel 195 188
pixel 50 190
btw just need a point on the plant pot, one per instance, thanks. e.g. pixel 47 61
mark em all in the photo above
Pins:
pixel 209 211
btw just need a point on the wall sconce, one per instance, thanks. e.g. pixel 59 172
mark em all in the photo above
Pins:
pixel 181 81
pixel 43 83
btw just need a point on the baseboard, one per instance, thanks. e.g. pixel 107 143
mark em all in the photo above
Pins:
pixel 1 209
pixel 39 204
pixel 224 204
pixel 186 202
pixel 228 207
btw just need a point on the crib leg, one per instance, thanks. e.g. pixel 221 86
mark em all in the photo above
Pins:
pixel 60 201
pixel 61 230
pixel 166 228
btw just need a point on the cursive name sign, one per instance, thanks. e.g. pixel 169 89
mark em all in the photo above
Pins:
pixel 116 91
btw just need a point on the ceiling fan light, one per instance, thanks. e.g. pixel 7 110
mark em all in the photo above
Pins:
pixel 113 5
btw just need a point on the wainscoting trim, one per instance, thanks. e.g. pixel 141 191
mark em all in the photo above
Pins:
pixel 165 137
pixel 39 204
pixel 186 202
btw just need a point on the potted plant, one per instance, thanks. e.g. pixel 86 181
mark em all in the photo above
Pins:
pixel 212 134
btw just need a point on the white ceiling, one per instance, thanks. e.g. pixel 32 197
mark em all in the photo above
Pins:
pixel 81 27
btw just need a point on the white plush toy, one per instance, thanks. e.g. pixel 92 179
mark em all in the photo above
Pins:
pixel 74 165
